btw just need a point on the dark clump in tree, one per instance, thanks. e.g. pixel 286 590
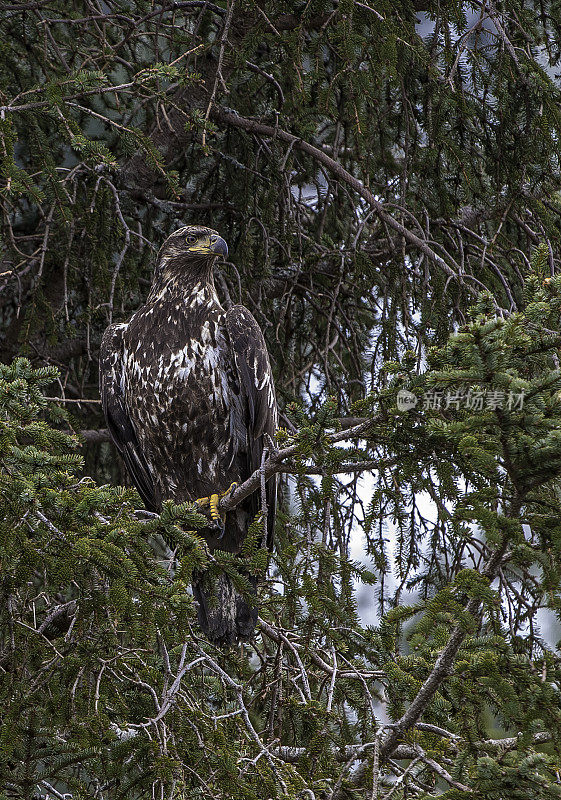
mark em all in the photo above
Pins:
pixel 387 178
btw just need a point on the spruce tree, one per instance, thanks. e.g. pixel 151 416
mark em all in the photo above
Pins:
pixel 387 178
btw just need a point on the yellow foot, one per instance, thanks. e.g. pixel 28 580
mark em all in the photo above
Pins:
pixel 214 512
pixel 213 502
pixel 230 489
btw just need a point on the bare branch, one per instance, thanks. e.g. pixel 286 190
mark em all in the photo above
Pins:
pixel 275 463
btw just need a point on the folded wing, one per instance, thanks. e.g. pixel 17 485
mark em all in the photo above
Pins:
pixel 112 382
pixel 258 401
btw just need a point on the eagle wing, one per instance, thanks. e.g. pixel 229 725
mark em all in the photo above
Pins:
pixel 112 381
pixel 257 394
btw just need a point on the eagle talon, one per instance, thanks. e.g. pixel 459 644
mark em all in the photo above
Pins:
pixel 219 524
pixel 213 501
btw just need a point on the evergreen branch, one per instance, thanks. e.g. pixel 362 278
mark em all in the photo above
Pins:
pixel 59 534
pixel 79 400
pixel 52 790
pixel 441 771
pixel 279 636
pixel 27 6
pixel 261 129
pixel 169 696
pixel 444 664
pixel 38 104
pixel 414 752
pixel 275 463
pixel 292 755
pixel 238 689
pixel 66 610
pixel 399 781
pixel 349 753
pixel 218 77
pixel 345 469
pixel 181 6
pixel 511 742
pixel 96 436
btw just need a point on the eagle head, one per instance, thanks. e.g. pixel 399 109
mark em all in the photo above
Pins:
pixel 190 252
pixel 194 242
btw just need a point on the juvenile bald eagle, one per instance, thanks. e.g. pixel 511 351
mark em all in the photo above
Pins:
pixel 188 395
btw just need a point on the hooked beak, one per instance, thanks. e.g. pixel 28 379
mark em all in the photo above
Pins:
pixel 218 246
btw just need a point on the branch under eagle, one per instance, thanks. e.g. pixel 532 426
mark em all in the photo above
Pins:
pixel 188 395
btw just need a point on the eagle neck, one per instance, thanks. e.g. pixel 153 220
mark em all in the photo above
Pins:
pixel 181 292
pixel 176 275
pixel 170 284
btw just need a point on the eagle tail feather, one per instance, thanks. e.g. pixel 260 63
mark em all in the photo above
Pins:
pixel 224 615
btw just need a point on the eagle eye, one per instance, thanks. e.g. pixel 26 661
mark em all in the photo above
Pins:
pixel 190 239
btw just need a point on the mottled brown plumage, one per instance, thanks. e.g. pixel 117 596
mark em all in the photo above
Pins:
pixel 188 394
